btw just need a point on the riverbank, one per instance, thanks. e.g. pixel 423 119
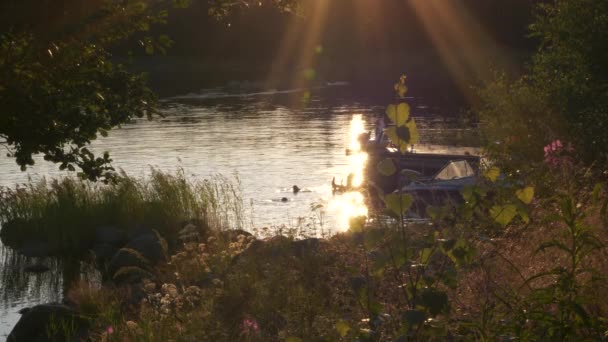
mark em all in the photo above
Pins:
pixel 468 273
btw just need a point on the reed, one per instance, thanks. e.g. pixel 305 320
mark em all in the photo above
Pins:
pixel 66 211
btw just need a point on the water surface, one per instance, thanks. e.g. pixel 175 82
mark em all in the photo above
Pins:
pixel 269 140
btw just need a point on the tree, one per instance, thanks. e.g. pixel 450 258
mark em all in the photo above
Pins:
pixel 571 68
pixel 60 88
pixel 563 96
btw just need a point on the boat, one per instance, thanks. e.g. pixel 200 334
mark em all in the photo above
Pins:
pixel 411 165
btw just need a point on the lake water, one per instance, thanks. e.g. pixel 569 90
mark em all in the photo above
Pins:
pixel 270 140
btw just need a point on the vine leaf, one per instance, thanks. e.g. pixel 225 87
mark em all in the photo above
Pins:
pixel 492 174
pixel 398 114
pixel 342 327
pixel 526 194
pixel 386 167
pixel 503 214
pixel 398 203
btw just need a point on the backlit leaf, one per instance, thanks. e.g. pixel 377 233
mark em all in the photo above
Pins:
pixel 492 173
pixel 398 203
pixel 503 214
pixel 391 112
pixel 403 113
pixel 525 195
pixel 386 167
pixel 342 327
pixel 398 114
pixel 401 90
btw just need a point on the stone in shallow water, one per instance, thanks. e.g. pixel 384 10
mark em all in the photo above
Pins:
pixel 36 249
pixel 49 322
pixel 109 235
pixel 36 268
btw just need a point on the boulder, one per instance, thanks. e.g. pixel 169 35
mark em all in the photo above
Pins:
pixel 133 265
pixel 36 268
pixel 104 251
pixel 49 322
pixel 140 231
pixel 36 248
pixel 189 233
pixel 150 247
pixel 110 235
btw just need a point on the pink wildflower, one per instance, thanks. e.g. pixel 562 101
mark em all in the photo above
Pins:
pixel 110 330
pixel 249 326
pixel 556 154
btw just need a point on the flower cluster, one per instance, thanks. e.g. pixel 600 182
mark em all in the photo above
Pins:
pixel 171 299
pixel 249 327
pixel 557 154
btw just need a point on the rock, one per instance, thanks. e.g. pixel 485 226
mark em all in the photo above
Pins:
pixel 149 246
pixel 137 259
pixel 129 266
pixel 36 268
pixel 189 233
pixel 233 234
pixel 140 231
pixel 49 322
pixel 109 235
pixel 36 249
pixel 11 232
pixel 104 251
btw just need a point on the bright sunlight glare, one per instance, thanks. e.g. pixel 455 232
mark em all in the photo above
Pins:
pixel 352 203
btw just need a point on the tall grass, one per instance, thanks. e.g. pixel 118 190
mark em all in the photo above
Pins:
pixel 66 211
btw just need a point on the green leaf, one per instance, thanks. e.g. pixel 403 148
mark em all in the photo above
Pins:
pixel 467 193
pixel 293 339
pixel 526 194
pixel 403 113
pixel 492 173
pixel 425 255
pixel 342 327
pixel 597 189
pixel 401 90
pixel 398 203
pixel 503 214
pixel 357 223
pixel 398 114
pixel 386 167
pixel 523 213
pixel 391 112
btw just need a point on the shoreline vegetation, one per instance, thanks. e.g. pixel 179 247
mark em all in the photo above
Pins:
pixel 521 256
pixel 172 269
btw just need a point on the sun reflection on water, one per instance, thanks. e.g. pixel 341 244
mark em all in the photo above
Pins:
pixel 352 203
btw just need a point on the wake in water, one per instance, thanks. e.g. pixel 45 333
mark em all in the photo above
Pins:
pixel 248 91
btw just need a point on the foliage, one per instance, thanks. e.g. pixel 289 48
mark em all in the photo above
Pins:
pixel 60 91
pixel 516 121
pixel 571 68
pixel 563 95
pixel 66 212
